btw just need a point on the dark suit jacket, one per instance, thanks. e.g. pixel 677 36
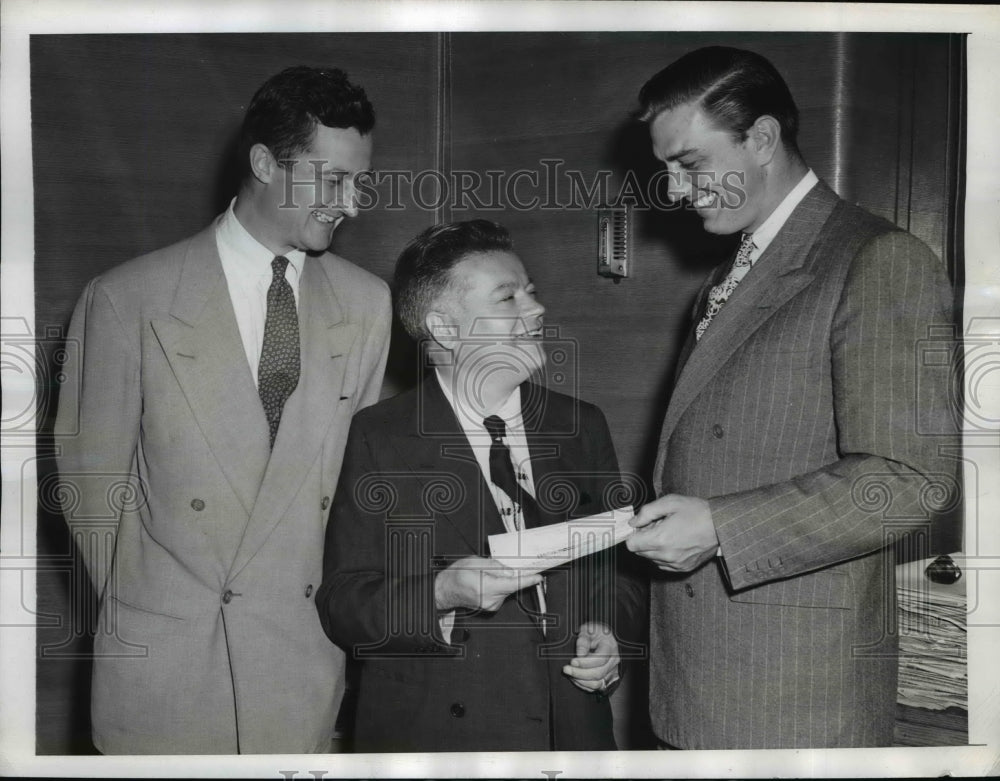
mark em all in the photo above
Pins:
pixel 411 500
pixel 817 420
pixel 208 641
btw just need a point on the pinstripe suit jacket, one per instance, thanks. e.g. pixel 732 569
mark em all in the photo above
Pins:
pixel 809 418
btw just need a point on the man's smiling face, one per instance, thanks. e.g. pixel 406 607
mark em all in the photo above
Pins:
pixel 312 193
pixel 495 318
pixel 720 176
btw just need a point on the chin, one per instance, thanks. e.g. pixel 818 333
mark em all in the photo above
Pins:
pixel 716 226
pixel 536 360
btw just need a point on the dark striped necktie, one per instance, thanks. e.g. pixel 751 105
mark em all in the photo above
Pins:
pixel 502 473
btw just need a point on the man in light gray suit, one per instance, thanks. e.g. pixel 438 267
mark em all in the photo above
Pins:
pixel 804 435
pixel 217 382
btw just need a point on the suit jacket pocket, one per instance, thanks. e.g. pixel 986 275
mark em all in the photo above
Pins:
pixel 130 606
pixel 824 589
pixel 135 631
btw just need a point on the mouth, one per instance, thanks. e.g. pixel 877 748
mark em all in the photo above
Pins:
pixel 535 333
pixel 326 219
pixel 706 200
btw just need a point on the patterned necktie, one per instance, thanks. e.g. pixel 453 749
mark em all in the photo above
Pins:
pixel 280 363
pixel 720 293
pixel 502 475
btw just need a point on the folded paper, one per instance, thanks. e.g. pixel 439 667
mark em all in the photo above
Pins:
pixel 544 547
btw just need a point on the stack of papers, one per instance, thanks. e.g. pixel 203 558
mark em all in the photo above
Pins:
pixel 932 638
pixel 538 549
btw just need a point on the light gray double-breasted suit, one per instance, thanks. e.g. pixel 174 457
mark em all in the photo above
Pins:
pixel 812 420
pixel 209 558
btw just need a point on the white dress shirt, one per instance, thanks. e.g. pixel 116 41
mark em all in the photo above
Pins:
pixel 246 264
pixel 480 442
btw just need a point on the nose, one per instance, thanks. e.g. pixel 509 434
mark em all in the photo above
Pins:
pixel 534 309
pixel 679 184
pixel 350 204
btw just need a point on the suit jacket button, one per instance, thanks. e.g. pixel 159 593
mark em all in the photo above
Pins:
pixel 309 590
pixel 227 597
pixel 197 505
pixel 463 636
pixel 717 431
pixel 325 503
pixel 688 590
pixel 457 710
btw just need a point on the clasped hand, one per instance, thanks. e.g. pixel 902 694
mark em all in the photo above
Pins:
pixel 674 532
pixel 595 666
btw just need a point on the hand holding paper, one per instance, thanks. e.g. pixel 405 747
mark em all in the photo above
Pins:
pixel 479 583
pixel 675 532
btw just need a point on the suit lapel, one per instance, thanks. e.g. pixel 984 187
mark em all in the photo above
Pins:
pixel 548 454
pixel 780 273
pixel 446 449
pixel 326 341
pixel 201 342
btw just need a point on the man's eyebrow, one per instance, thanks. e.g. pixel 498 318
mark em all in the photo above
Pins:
pixel 682 153
pixel 504 286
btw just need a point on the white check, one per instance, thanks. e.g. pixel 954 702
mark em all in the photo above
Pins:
pixel 538 549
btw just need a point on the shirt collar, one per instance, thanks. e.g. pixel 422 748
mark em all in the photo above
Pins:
pixel 238 242
pixel 765 234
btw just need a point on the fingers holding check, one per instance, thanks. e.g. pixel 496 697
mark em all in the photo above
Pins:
pixel 595 666
pixel 674 532
pixel 479 583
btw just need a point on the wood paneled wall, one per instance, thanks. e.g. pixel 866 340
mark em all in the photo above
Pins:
pixel 131 136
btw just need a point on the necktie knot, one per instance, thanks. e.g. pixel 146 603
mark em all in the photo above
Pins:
pixel 745 248
pixel 278 267
pixel 496 427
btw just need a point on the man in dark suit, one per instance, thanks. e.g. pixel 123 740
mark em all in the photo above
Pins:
pixel 805 433
pixel 216 389
pixel 459 653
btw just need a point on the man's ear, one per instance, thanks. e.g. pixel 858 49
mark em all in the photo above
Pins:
pixel 442 329
pixel 262 163
pixel 765 137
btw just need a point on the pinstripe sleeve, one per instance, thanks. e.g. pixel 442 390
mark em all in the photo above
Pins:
pixel 896 432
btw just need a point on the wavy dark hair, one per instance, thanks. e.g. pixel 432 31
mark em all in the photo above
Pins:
pixel 734 87
pixel 285 111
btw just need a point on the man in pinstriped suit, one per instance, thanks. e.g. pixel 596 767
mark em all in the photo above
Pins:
pixel 804 435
